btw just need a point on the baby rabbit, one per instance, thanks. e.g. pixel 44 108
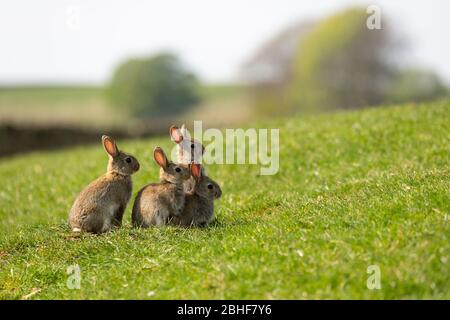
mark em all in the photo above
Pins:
pixel 188 151
pixel 100 206
pixel 157 202
pixel 199 206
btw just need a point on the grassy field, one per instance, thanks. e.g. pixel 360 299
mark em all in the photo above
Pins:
pixel 70 106
pixel 87 107
pixel 354 189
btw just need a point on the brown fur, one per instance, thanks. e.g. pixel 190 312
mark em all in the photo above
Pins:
pixel 100 206
pixel 157 202
pixel 188 151
pixel 199 205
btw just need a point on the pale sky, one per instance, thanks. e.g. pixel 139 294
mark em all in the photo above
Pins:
pixel 57 41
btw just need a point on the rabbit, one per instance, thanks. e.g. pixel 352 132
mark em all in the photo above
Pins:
pixel 100 206
pixel 157 202
pixel 199 205
pixel 188 151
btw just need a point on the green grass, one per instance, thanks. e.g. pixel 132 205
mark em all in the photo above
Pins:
pixel 354 189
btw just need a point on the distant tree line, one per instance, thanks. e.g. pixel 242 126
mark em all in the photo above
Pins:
pixel 336 63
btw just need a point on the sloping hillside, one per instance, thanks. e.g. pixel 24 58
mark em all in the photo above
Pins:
pixel 354 190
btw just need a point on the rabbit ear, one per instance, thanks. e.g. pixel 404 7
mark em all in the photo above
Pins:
pixel 196 170
pixel 175 134
pixel 160 157
pixel 110 146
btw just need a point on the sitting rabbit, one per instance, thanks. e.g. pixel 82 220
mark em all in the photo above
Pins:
pixel 199 205
pixel 157 202
pixel 188 151
pixel 100 206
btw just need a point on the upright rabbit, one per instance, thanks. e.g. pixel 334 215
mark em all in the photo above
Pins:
pixel 157 202
pixel 199 205
pixel 100 206
pixel 188 151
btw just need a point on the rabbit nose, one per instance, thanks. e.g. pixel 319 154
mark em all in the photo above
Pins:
pixel 137 167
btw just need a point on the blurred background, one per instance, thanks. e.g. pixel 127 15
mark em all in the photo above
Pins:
pixel 71 70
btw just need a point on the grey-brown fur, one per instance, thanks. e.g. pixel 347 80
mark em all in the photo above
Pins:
pixel 199 205
pixel 157 202
pixel 188 151
pixel 100 206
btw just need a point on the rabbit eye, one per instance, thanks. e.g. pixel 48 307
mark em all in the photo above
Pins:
pixel 177 169
pixel 210 186
pixel 128 160
pixel 192 146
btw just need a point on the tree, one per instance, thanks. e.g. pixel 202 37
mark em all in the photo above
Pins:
pixel 154 86
pixel 342 64
pixel 334 63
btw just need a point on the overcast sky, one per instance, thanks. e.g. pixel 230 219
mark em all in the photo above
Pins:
pixel 54 41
